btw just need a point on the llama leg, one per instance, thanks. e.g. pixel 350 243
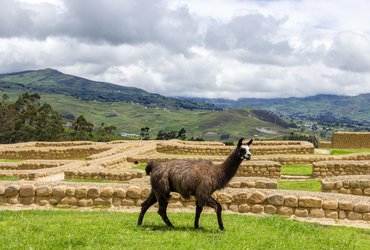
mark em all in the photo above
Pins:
pixel 213 203
pixel 198 211
pixel 162 211
pixel 145 206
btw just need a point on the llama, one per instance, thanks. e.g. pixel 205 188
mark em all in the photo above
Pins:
pixel 197 178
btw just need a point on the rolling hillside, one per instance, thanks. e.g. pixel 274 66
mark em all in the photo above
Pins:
pixel 54 82
pixel 320 107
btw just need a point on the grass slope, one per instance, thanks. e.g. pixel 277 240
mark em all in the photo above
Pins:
pixel 297 169
pixel 303 185
pixel 110 230
pixel 53 81
pixel 130 118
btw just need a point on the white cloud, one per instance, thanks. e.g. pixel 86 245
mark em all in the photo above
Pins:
pixel 218 48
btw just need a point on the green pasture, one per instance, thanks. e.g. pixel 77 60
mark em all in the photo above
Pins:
pixel 117 230
pixel 301 185
pixel 348 151
pixel 297 169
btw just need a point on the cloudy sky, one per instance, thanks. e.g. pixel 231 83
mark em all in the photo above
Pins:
pixel 200 48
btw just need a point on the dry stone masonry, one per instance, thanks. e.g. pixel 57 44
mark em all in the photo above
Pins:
pixel 253 190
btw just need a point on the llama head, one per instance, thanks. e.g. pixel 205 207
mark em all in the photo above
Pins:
pixel 244 152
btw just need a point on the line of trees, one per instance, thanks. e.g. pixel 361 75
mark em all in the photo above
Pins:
pixel 27 119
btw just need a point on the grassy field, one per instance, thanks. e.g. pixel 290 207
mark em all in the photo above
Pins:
pixel 9 179
pixel 10 160
pixel 297 169
pixel 130 118
pixel 111 230
pixel 348 151
pixel 305 185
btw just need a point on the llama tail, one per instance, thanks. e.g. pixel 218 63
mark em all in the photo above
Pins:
pixel 149 167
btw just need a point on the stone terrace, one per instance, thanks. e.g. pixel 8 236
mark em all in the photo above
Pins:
pixel 254 189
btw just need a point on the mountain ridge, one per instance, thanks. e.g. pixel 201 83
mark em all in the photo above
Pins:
pixel 52 81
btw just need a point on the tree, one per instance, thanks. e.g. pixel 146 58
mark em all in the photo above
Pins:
pixel 144 134
pixel 28 120
pixel 181 134
pixel 82 129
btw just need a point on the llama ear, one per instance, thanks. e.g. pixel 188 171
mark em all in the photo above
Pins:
pixel 250 142
pixel 240 142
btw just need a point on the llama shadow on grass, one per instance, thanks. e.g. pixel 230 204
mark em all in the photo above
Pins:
pixel 165 228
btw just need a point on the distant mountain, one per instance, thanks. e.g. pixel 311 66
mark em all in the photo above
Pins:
pixel 320 107
pixel 54 82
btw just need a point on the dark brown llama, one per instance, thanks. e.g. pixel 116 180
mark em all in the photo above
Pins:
pixel 191 177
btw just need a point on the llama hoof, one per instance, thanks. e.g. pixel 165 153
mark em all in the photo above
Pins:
pixel 222 228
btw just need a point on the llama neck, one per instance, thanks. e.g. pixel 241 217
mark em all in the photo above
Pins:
pixel 229 168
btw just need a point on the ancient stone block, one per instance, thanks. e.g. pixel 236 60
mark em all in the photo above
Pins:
pixel 120 193
pixel 58 191
pixel 81 192
pixel 276 200
pixel 27 190
pixel 93 192
pixel 11 191
pixel 354 216
pixel 244 208
pixel 291 201
pixel 240 198
pixel 330 205
pixel 106 192
pixel 70 191
pixel 361 208
pixel 257 209
pixel 42 201
pixel 257 197
pixel 346 205
pixel 287 211
pixel 270 209
pixel 317 213
pixel 342 215
pixel 127 202
pixel 43 191
pixel 224 198
pixel 145 192
pixel 367 191
pixel 134 192
pixel 366 216
pixel 69 200
pixel 312 202
pixel 301 212
pixel 117 202
pixel 331 214
pixel 26 200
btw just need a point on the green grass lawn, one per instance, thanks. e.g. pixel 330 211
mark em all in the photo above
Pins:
pixel 10 160
pixel 114 230
pixel 348 151
pixel 306 185
pixel 9 179
pixel 140 166
pixel 297 169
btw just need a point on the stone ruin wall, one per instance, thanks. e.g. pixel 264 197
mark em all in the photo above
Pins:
pixel 260 148
pixel 248 200
pixel 324 169
pixel 354 184
pixel 51 152
pixel 351 140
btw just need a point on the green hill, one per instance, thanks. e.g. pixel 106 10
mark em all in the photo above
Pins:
pixel 54 82
pixel 130 109
pixel 329 108
pixel 130 118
